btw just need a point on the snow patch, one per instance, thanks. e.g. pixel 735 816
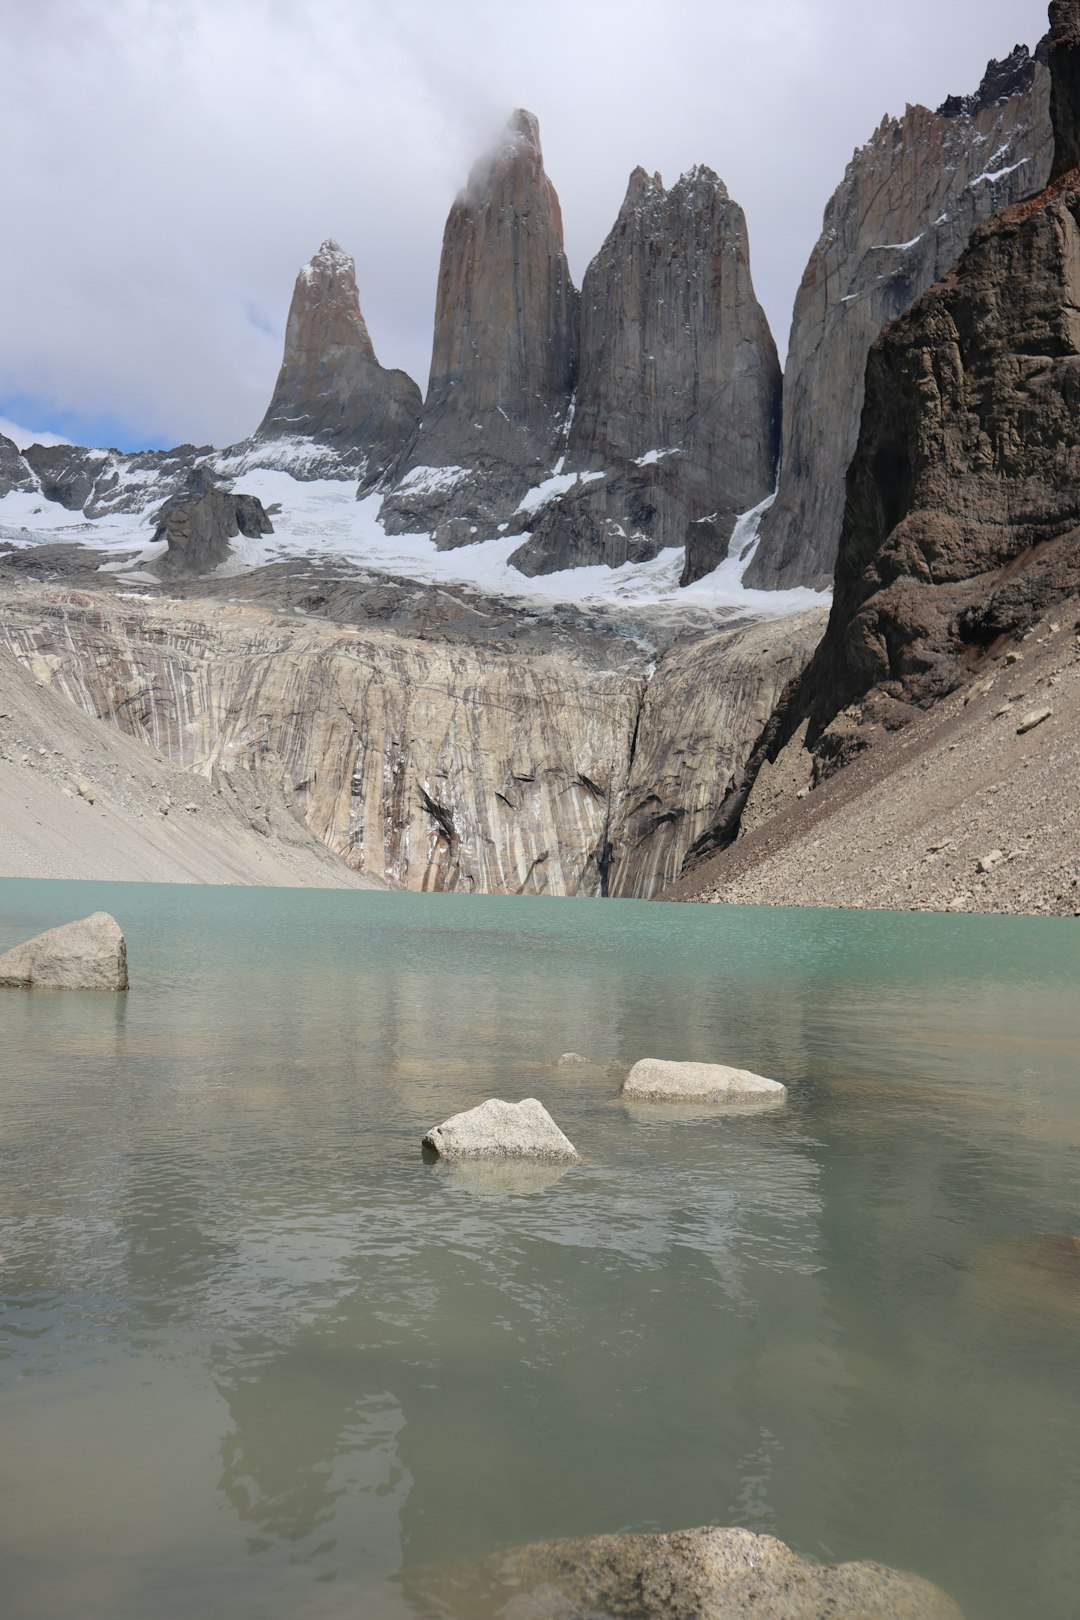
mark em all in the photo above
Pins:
pixel 651 457
pixel 552 488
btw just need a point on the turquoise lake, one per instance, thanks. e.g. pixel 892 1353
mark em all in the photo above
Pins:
pixel 258 1361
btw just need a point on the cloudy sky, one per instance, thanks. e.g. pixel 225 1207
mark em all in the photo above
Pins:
pixel 170 164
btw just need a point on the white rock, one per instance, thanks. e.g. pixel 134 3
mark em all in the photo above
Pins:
pixel 654 1079
pixel 501 1130
pixel 988 862
pixel 85 789
pixel 572 1060
pixel 87 955
pixel 1030 721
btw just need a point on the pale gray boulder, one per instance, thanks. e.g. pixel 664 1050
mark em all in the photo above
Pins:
pixel 501 1130
pixel 687 1575
pixel 655 1080
pixel 90 954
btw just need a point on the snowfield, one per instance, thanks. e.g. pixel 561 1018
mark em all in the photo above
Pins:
pixel 322 520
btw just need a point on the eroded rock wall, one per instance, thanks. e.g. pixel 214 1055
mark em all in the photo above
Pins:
pixel 434 764
pixel 897 223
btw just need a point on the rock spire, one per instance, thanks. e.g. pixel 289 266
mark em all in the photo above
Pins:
pixel 504 360
pixel 678 400
pixel 1065 79
pixel 331 389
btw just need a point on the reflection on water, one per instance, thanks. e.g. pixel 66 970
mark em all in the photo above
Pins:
pixel 258 1359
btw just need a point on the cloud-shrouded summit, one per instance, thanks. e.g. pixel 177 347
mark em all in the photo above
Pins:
pixel 164 200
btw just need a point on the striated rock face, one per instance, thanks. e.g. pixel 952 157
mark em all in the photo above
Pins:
pixel 15 471
pixel 678 400
pixel 898 222
pixel 566 767
pixel 199 523
pixel 331 390
pixel 504 361
pixel 962 523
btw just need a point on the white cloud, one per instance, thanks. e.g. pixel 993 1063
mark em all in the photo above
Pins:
pixel 171 163
pixel 23 436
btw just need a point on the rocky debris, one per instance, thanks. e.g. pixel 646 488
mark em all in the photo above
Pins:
pixel 87 955
pixel 572 1060
pixel 678 397
pixel 707 1574
pixel 904 824
pixel 16 472
pixel 504 361
pixel 658 1080
pixel 501 1130
pixel 898 222
pixel 199 522
pixel 331 390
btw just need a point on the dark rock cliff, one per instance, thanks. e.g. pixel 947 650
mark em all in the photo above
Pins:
pixel 962 520
pixel 897 223
pixel 199 523
pixel 504 361
pixel 15 471
pixel 678 400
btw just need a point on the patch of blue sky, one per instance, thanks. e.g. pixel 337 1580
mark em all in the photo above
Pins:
pixel 99 430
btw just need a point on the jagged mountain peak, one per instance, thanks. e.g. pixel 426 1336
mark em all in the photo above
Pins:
pixel 517 158
pixel 1011 76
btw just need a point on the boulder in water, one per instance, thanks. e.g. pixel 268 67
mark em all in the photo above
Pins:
pixel 90 954
pixel 501 1130
pixel 655 1080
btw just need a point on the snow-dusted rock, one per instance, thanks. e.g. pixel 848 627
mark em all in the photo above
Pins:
pixel 655 1080
pixel 501 1130
pixel 87 955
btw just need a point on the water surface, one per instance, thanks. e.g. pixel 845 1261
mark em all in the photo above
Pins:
pixel 259 1362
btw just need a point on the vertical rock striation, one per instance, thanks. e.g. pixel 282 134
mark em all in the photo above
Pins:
pixel 678 400
pixel 331 389
pixel 504 360
pixel 898 222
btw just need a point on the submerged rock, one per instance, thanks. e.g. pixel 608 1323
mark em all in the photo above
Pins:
pixel 572 1060
pixel 90 954
pixel 501 1130
pixel 688 1575
pixel 654 1079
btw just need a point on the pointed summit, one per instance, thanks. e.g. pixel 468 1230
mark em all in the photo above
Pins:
pixel 678 401
pixel 331 388
pixel 504 358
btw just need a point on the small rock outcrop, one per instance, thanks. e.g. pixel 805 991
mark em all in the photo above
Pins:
pixel 87 955
pixel 504 361
pixel 897 223
pixel 501 1130
pixel 657 1080
pixel 962 524
pixel 199 524
pixel 331 393
pixel 678 398
pixel 704 1574
pixel 15 471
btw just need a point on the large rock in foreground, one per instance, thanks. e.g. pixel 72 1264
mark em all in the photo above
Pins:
pixel 199 524
pixel 87 955
pixel 688 1575
pixel 654 1080
pixel 501 1130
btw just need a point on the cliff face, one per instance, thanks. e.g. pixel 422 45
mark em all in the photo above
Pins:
pixel 898 222
pixel 331 390
pixel 504 360
pixel 15 471
pixel 962 522
pixel 678 398
pixel 434 764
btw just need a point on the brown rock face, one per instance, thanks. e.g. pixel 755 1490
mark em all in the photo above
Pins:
pixel 898 222
pixel 678 401
pixel 1065 95
pixel 962 523
pixel 504 361
pixel 331 389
